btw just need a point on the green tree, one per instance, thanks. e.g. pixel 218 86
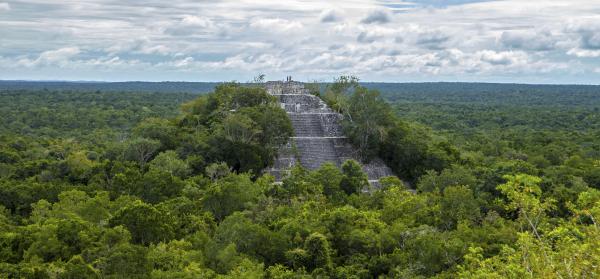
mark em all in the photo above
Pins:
pixel 77 268
pixel 145 223
pixel 173 257
pixel 169 162
pixel 156 186
pixel 354 180
pixel 318 252
pixel 80 166
pixel 239 128
pixel 433 181
pixel 217 171
pixel 330 176
pixel 141 150
pixel 247 269
pixel 125 261
pixel 160 129
pixel 336 93
pixel 280 272
pixel 458 204
pixel 251 239
pixel 368 121
pixel 229 194
pixel 524 196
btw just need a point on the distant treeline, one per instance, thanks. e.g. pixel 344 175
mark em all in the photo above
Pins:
pixel 161 87
pixel 438 92
pixel 490 93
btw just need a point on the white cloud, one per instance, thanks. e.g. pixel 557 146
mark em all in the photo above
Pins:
pixel 377 16
pixel 110 63
pixel 4 7
pixel 432 39
pixel 584 53
pixel 140 46
pixel 184 62
pixel 379 34
pixel 195 21
pixel 329 15
pixel 190 25
pixel 365 37
pixel 528 40
pixel 231 38
pixel 59 57
pixel 586 34
pixel 503 57
pixel 275 24
pixel 589 36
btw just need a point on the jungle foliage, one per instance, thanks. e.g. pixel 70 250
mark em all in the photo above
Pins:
pixel 121 185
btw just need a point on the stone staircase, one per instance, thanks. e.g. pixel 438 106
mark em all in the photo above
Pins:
pixel 306 124
pixel 318 134
pixel 314 152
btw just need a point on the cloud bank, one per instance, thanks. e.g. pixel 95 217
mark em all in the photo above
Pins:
pixel 555 41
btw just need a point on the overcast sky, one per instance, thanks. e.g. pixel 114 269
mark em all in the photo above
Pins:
pixel 536 41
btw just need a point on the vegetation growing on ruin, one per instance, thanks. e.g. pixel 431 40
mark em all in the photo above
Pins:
pixel 372 126
pixel 121 185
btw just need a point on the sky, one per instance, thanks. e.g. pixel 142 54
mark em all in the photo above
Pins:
pixel 536 41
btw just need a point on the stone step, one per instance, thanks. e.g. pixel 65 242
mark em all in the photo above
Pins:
pixel 316 124
pixel 300 103
pixel 284 163
pixel 279 174
pixel 377 169
pixel 314 152
pixel 307 125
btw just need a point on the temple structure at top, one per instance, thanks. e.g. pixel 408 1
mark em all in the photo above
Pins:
pixel 318 134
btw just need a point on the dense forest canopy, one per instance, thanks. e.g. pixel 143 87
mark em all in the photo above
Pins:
pixel 495 181
pixel 490 93
pixel 134 87
pixel 64 114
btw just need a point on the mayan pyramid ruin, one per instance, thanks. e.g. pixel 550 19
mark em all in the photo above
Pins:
pixel 318 134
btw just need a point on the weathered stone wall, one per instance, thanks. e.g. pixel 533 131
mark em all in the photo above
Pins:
pixel 318 134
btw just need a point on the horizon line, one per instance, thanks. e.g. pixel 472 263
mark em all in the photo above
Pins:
pixel 248 82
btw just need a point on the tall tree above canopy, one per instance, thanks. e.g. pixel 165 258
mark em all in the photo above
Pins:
pixel 374 129
pixel 241 126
